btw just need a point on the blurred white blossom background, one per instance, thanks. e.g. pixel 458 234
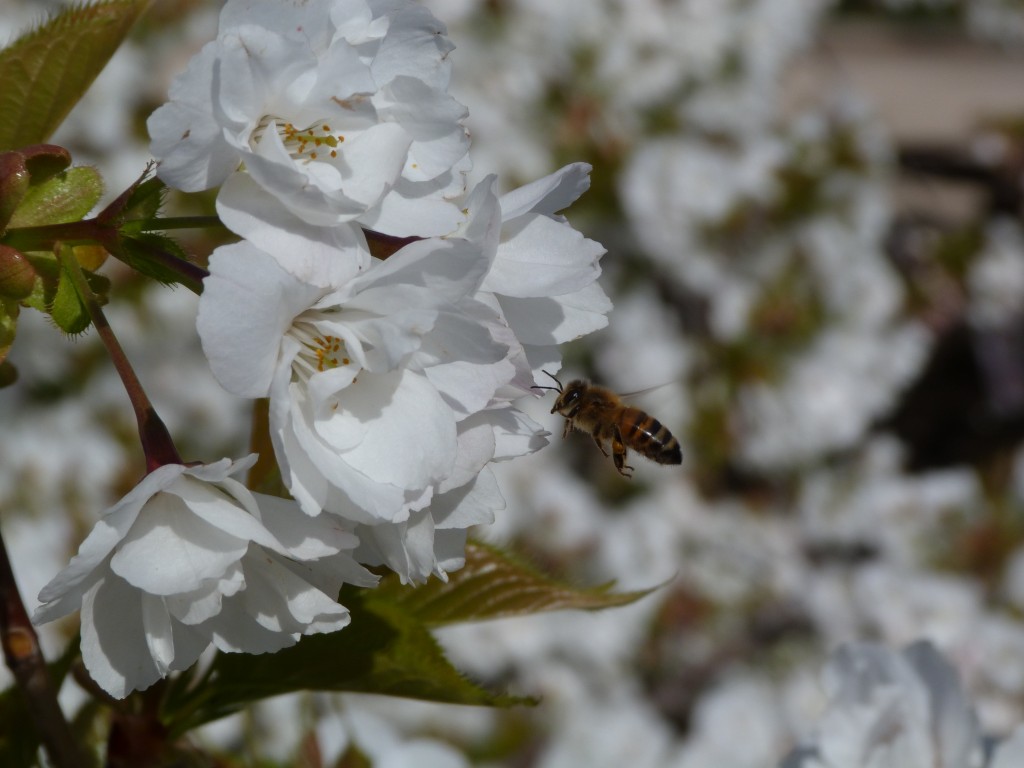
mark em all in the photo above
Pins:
pixel 818 286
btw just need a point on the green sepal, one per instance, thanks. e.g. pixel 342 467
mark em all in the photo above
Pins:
pixel 143 203
pixel 139 252
pixel 47 275
pixel 9 311
pixel 68 196
pixel 68 308
pixel 46 71
pixel 494 584
pixel 384 651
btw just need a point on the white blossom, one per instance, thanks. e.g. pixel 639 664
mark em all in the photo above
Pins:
pixel 336 108
pixel 374 384
pixel 898 710
pixel 190 558
pixel 392 383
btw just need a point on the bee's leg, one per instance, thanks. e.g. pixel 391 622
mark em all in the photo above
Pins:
pixel 596 434
pixel 567 428
pixel 619 454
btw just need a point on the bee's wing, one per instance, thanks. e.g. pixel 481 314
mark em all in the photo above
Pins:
pixel 645 390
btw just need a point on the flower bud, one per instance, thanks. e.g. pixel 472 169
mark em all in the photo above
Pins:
pixel 8 374
pixel 14 181
pixel 17 275
pixel 45 160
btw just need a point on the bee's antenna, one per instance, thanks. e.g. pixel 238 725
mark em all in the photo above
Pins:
pixel 553 389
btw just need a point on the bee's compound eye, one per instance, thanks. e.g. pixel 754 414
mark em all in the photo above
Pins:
pixel 572 397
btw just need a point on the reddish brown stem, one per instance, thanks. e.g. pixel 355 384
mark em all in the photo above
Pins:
pixel 25 660
pixel 156 440
pixel 88 231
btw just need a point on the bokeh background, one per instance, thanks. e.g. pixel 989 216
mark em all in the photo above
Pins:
pixel 812 212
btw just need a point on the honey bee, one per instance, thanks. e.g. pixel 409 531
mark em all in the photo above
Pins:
pixel 599 411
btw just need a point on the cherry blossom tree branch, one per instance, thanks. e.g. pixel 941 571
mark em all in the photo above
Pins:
pixel 25 660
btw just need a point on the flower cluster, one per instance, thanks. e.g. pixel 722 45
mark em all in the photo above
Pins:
pixel 391 374
pixel 899 709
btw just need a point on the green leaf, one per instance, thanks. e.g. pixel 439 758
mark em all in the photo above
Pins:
pixel 494 584
pixel 45 72
pixel 383 651
pixel 66 197
pixel 388 649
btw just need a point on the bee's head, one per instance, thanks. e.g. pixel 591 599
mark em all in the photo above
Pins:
pixel 568 399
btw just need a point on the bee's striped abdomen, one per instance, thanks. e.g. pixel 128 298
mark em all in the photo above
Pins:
pixel 649 437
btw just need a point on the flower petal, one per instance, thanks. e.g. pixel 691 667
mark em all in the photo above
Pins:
pixel 248 301
pixel 558 319
pixel 193 152
pixel 320 256
pixel 472 504
pixel 304 537
pixel 539 256
pixel 170 550
pixel 113 642
pixel 553 193
pixel 414 45
pixel 406 548
pixel 434 121
pixel 410 437
pixel 65 590
pixel 219 506
pixel 515 433
pixel 156 625
pixel 413 210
